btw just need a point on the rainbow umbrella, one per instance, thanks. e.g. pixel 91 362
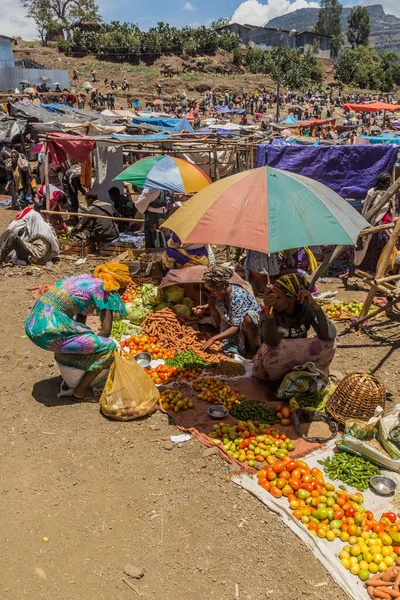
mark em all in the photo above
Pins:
pixel 267 210
pixel 165 173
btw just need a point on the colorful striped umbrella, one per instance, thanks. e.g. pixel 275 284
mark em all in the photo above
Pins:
pixel 267 210
pixel 165 173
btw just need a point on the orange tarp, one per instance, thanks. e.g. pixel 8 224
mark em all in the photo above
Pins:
pixel 372 107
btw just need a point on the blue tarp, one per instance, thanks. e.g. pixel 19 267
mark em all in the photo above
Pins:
pixel 382 139
pixel 348 170
pixel 182 125
pixel 155 136
pixel 164 122
pixel 169 124
pixel 290 120
pixel 229 110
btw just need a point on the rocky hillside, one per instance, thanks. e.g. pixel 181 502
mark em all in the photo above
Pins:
pixel 385 29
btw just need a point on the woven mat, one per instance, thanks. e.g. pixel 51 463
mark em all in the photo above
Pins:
pixel 198 423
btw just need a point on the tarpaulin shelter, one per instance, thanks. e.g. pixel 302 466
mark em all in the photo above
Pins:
pixel 230 111
pixel 348 170
pixel 62 144
pixel 372 107
pixel 290 120
pixel 384 138
pixel 314 122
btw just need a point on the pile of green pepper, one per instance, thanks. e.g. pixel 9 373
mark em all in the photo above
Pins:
pixel 252 410
pixel 188 359
pixel 353 470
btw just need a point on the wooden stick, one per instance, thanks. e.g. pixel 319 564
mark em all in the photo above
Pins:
pixel 75 214
pixel 216 165
pixel 371 230
pixel 46 175
pixel 390 278
pixel 326 263
pixel 380 309
pixel 384 261
pixel 385 197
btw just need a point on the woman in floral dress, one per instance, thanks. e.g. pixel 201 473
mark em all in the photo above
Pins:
pixel 57 322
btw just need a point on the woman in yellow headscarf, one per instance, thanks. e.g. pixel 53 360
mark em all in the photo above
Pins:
pixel 289 313
pixel 57 322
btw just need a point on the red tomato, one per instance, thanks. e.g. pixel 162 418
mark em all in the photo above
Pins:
pixel 350 512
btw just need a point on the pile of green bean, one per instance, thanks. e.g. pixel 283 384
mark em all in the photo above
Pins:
pixel 353 470
pixel 308 400
pixel 252 410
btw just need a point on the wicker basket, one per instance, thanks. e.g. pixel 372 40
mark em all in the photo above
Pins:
pixel 356 397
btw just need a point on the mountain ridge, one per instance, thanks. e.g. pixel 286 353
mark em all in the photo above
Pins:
pixel 385 28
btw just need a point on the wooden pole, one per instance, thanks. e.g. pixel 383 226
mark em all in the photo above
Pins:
pixel 357 324
pixel 385 197
pixel 216 165
pixel 381 270
pixel 46 175
pixel 75 214
pixel 326 263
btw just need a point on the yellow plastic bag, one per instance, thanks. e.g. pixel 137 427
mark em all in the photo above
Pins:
pixel 129 392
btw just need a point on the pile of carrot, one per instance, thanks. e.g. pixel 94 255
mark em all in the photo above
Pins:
pixel 174 335
pixel 385 585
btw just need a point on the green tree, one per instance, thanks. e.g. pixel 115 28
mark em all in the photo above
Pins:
pixel 221 22
pixel 330 23
pixel 65 14
pixel 361 66
pixel 359 26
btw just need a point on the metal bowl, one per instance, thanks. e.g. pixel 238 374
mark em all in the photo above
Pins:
pixel 217 411
pixel 143 359
pixel 383 485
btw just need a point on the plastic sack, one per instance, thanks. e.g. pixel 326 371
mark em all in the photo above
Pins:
pixel 301 416
pixel 129 392
pixel 300 401
pixel 362 448
pixel 384 426
pixel 304 379
pixel 363 430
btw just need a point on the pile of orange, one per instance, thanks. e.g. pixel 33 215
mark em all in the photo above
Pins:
pixel 146 343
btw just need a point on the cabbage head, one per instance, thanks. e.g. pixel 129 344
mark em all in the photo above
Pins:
pixel 163 305
pixel 188 302
pixel 138 315
pixel 151 295
pixel 174 294
pixel 183 310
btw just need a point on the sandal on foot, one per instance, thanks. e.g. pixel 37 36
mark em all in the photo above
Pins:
pixel 91 398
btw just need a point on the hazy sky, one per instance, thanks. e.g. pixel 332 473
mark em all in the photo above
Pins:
pixel 177 12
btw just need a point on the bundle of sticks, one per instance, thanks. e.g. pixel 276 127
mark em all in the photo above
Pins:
pixel 173 334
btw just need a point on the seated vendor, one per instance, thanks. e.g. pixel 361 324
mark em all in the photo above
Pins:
pixel 102 231
pixel 29 239
pixel 178 255
pixel 234 310
pixel 57 322
pixel 289 312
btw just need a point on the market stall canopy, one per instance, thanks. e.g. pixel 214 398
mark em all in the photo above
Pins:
pixel 192 275
pixel 315 122
pixel 372 107
pixel 165 173
pixel 267 210
pixel 230 111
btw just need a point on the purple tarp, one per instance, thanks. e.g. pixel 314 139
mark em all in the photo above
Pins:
pixel 231 111
pixel 348 170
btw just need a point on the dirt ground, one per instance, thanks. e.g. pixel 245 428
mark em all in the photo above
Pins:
pixel 142 77
pixel 107 494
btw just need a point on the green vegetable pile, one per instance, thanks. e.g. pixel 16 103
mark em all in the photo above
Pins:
pixel 353 470
pixel 252 410
pixel 120 328
pixel 188 359
pixel 309 400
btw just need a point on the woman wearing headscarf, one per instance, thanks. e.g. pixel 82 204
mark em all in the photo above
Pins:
pixel 235 312
pixel 57 322
pixel 369 248
pixel 31 238
pixel 289 313
pixel 58 203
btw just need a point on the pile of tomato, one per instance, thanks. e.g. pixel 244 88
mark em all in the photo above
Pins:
pixel 130 293
pixel 164 374
pixel 146 343
pixel 331 513
pixel 217 391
